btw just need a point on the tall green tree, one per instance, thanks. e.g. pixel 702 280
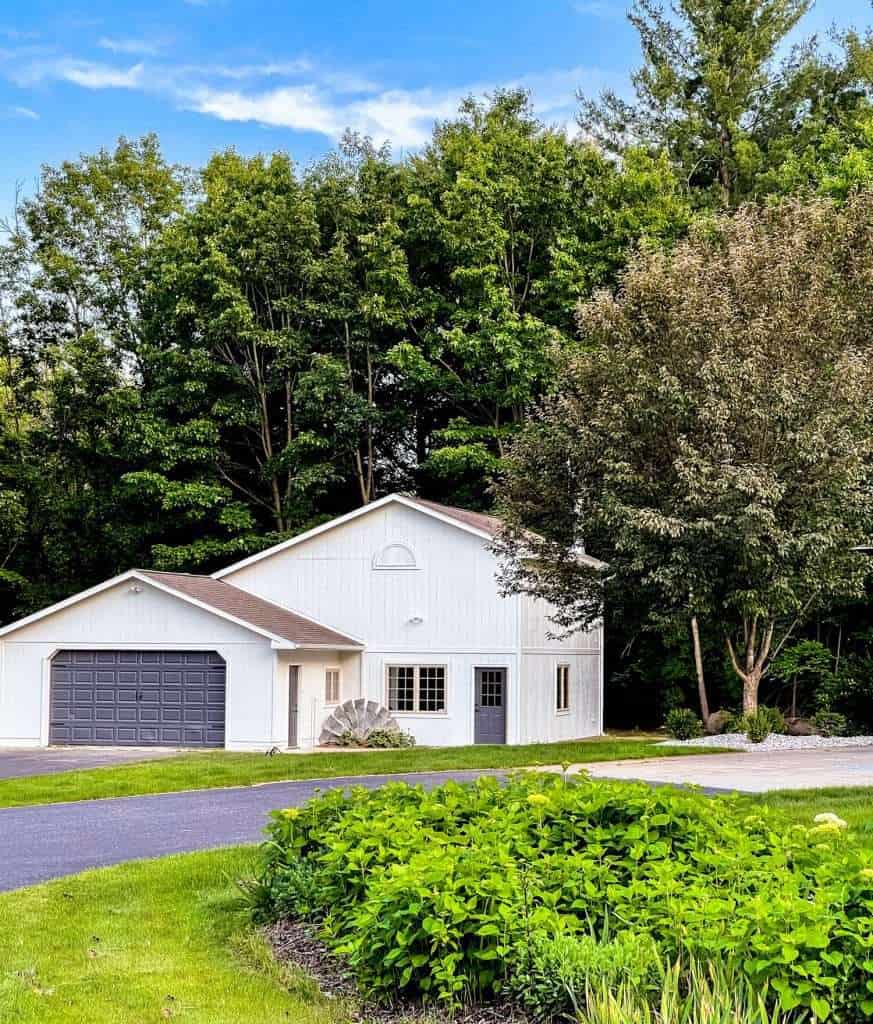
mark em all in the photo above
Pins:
pixel 74 285
pixel 712 438
pixel 363 301
pixel 509 223
pixel 228 330
pixel 821 118
pixel 705 90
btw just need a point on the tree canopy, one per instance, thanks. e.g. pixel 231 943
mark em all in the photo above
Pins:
pixel 712 435
pixel 197 362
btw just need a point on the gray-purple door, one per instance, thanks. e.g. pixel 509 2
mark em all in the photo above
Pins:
pixel 489 715
pixel 138 698
pixel 293 703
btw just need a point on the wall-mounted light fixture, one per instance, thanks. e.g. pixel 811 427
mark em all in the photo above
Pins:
pixel 415 620
pixel 135 588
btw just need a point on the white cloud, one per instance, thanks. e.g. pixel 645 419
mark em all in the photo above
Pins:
pixel 240 72
pixel 599 8
pixel 91 75
pixel 402 117
pixel 134 47
pixel 297 107
pixel 26 112
pixel 298 95
pixel 85 73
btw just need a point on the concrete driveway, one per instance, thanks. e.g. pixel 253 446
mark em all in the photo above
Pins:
pixel 49 840
pixel 750 772
pixel 16 763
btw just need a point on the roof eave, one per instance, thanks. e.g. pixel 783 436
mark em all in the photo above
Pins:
pixel 331 647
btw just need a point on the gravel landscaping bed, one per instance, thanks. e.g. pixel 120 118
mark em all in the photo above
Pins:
pixel 297 943
pixel 738 741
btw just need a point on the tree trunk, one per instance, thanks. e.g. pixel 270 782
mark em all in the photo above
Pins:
pixel 756 651
pixel 698 664
pixel 751 682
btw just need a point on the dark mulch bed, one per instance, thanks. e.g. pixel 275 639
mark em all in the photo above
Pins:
pixel 297 943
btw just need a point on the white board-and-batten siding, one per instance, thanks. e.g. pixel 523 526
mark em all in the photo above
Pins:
pixel 122 617
pixel 446 610
pixel 443 607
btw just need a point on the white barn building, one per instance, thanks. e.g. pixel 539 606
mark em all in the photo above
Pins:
pixel 395 603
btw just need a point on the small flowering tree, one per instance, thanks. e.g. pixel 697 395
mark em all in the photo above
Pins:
pixel 712 437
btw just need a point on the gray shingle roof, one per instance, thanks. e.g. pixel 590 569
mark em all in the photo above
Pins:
pixel 249 608
pixel 478 520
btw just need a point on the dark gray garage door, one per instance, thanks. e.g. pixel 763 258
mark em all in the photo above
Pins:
pixel 138 698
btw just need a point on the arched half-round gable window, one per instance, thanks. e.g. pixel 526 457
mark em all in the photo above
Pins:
pixel 394 556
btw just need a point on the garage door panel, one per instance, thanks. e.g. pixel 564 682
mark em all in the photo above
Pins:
pixel 174 698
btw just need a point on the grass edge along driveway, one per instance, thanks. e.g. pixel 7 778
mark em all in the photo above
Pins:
pixel 222 768
pixel 143 942
pixel 168 939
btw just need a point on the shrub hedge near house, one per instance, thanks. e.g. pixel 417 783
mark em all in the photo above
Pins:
pixel 457 893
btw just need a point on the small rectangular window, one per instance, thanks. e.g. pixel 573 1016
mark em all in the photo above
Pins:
pixel 418 688
pixel 562 688
pixel 331 686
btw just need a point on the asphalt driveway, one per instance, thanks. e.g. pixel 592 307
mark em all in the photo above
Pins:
pixel 49 840
pixel 16 763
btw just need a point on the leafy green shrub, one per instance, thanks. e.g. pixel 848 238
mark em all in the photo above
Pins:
pixel 760 725
pixel 553 972
pixel 830 723
pixel 757 726
pixel 775 719
pixel 683 724
pixel 439 894
pixel 394 739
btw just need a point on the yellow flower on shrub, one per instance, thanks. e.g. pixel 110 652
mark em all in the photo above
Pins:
pixel 537 798
pixel 829 818
pixel 291 813
pixel 826 828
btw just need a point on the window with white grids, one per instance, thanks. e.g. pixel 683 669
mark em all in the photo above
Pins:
pixel 418 688
pixel 562 688
pixel 331 686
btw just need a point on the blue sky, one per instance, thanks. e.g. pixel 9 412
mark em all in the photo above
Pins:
pixel 205 74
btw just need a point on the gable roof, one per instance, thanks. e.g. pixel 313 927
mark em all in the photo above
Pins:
pixel 253 610
pixel 279 625
pixel 477 523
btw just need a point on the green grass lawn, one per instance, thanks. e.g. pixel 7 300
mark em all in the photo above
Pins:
pixel 854 805
pixel 220 768
pixel 168 939
pixel 142 943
